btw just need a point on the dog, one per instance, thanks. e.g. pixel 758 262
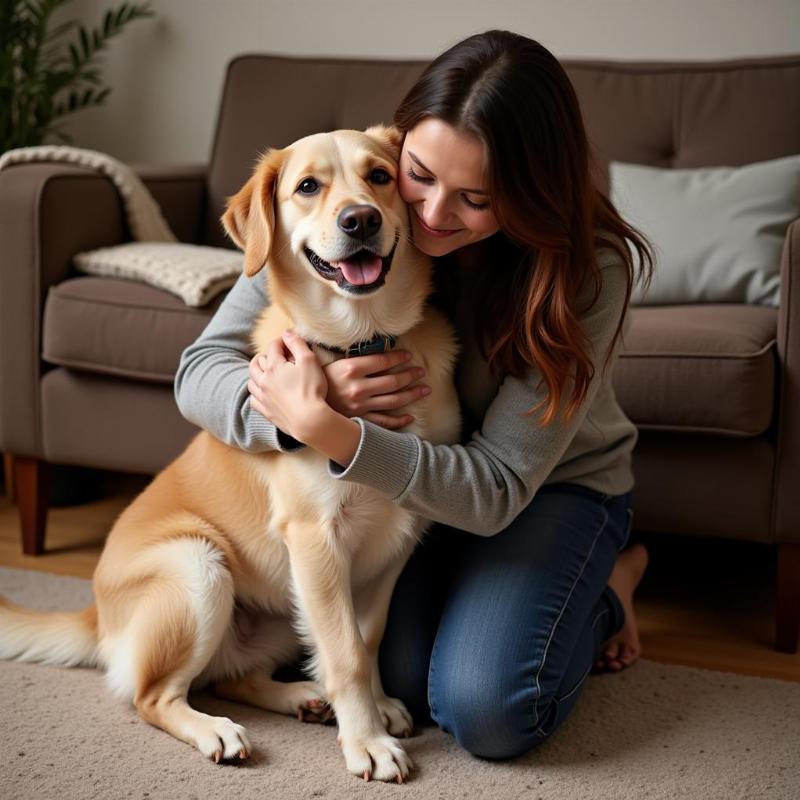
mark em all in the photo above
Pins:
pixel 229 563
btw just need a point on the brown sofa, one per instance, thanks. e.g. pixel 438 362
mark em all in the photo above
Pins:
pixel 87 363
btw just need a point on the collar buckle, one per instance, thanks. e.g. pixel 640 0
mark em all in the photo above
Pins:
pixel 379 343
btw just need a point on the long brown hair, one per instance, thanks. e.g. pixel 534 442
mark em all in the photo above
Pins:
pixel 513 94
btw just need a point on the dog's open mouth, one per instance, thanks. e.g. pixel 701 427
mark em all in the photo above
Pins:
pixel 361 272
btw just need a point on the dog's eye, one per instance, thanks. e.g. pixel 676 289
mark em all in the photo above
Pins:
pixel 379 176
pixel 308 186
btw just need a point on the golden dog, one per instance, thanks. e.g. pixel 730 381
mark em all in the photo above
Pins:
pixel 229 562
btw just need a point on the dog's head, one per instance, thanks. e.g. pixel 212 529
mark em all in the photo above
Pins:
pixel 324 215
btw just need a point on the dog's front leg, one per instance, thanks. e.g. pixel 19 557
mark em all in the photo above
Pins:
pixel 321 582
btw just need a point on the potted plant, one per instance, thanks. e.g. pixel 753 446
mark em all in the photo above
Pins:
pixel 45 76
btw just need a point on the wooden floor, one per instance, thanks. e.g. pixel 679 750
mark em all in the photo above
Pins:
pixel 703 602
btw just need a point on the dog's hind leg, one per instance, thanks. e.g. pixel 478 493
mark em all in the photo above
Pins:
pixel 303 699
pixel 179 619
pixel 279 645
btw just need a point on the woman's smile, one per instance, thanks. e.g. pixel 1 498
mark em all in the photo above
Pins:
pixel 435 231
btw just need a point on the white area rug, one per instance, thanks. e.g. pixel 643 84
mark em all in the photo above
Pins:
pixel 653 731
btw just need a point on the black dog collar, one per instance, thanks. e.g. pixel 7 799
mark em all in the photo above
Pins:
pixel 377 344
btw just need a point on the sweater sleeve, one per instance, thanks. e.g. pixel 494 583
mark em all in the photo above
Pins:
pixel 482 486
pixel 212 376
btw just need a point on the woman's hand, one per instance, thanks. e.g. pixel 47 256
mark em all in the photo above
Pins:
pixel 291 392
pixel 361 386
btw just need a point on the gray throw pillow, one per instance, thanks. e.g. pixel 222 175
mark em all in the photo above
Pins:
pixel 717 232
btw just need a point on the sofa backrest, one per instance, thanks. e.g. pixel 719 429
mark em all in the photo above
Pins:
pixel 670 114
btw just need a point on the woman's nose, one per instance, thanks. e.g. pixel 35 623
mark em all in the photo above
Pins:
pixel 436 211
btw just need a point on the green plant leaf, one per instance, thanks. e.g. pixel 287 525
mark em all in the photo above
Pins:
pixel 92 76
pixel 87 50
pixel 43 77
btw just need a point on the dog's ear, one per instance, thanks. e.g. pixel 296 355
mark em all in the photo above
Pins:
pixel 389 136
pixel 250 216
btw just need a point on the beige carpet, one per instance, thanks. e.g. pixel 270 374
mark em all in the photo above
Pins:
pixel 653 731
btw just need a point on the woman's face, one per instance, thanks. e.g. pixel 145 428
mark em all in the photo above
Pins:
pixel 443 179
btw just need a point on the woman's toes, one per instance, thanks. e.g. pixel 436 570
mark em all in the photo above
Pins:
pixel 633 652
pixel 628 653
pixel 612 651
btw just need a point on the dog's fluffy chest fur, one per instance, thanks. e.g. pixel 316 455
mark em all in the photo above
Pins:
pixel 359 520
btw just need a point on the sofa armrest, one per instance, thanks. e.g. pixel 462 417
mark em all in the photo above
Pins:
pixel 786 508
pixel 49 212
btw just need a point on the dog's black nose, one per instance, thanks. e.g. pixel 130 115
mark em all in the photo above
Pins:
pixel 360 222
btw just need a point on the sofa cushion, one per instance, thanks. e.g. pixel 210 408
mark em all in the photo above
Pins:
pixel 699 368
pixel 119 327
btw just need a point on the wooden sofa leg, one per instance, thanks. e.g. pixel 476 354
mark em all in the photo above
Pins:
pixel 32 491
pixel 787 618
pixel 8 476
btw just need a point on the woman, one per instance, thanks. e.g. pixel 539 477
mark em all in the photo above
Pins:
pixel 520 589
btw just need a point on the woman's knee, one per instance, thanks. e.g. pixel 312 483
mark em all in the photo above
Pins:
pixel 491 719
pixel 493 734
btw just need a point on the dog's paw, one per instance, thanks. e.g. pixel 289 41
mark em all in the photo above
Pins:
pixel 378 757
pixel 307 701
pixel 221 739
pixel 396 719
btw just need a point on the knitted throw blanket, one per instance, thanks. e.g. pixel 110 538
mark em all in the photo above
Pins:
pixel 195 273
pixel 143 213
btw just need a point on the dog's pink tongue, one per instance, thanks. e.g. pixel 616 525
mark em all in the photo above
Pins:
pixel 361 271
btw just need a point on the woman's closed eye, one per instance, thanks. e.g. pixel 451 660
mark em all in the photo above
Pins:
pixel 414 177
pixel 423 179
pixel 476 206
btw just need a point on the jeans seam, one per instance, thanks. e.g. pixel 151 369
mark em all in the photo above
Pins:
pixel 597 618
pixel 537 693
pixel 558 700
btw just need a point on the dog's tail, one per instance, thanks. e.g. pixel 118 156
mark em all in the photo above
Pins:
pixel 68 638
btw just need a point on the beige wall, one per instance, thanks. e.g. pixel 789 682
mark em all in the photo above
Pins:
pixel 166 73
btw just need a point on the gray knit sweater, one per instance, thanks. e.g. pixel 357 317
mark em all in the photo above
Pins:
pixel 480 485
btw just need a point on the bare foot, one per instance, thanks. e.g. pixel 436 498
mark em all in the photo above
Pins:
pixel 622 649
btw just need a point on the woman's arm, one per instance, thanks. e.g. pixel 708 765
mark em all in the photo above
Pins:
pixel 214 380
pixel 483 485
pixel 211 381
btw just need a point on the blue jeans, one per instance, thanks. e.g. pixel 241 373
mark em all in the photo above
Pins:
pixel 492 638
